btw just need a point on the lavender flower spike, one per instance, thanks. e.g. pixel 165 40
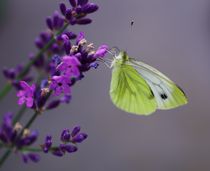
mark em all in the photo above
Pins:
pixel 26 95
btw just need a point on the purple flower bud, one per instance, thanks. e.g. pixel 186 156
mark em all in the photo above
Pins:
pixel 55 48
pixel 73 21
pixel 34 157
pixel 39 62
pixel 65 99
pixel 94 65
pixel 82 2
pixel 70 148
pixel 75 131
pixel 9 73
pixel 56 59
pixel 78 10
pixel 79 138
pixel 65 135
pixel 73 3
pixel 45 36
pixel 90 8
pixel 57 152
pixel 63 8
pixel 68 14
pixel 24 158
pixel 48 143
pixel 64 37
pixel 101 51
pixel 53 104
pixel 60 23
pixel 30 139
pixel 80 37
pixel 56 19
pixel 67 47
pixel 38 42
pixel 84 21
pixel 49 23
pixel 71 35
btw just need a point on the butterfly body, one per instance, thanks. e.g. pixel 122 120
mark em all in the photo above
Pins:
pixel 141 89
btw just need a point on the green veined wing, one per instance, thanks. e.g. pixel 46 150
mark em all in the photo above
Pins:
pixel 167 94
pixel 130 92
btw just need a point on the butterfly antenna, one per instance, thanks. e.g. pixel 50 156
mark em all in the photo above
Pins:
pixel 106 62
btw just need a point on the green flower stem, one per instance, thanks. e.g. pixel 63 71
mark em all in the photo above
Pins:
pixel 6 89
pixel 19 115
pixel 8 86
pixel 5 156
pixel 31 150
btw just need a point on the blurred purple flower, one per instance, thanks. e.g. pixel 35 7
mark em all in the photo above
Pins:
pixel 48 143
pixel 69 66
pixel 60 84
pixel 67 144
pixel 30 156
pixel 26 95
pixel 65 135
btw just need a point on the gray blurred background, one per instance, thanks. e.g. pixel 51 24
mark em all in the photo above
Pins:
pixel 173 36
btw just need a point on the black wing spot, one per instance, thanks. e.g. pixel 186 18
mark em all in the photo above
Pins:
pixel 163 96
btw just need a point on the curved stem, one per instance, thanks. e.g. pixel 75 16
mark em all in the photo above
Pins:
pixel 5 156
pixel 8 86
pixel 19 115
pixel 31 150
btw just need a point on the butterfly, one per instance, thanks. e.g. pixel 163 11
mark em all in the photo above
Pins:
pixel 141 89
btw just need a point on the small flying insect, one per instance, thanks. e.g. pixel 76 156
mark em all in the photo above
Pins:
pixel 132 22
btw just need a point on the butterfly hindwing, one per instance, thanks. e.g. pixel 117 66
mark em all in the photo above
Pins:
pixel 130 92
pixel 167 94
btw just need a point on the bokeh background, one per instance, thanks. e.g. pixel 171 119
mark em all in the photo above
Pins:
pixel 173 36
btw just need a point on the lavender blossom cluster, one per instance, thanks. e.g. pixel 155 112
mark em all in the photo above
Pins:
pixel 62 59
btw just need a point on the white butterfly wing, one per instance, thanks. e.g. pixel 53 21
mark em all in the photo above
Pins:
pixel 167 94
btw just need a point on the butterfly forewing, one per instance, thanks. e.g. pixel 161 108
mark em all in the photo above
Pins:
pixel 130 92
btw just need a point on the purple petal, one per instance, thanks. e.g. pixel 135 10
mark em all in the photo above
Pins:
pixel 24 158
pixel 65 135
pixel 80 138
pixel 73 3
pixel 49 23
pixel 90 8
pixel 29 102
pixel 82 2
pixel 21 101
pixel 80 37
pixel 34 157
pixel 57 152
pixel 71 148
pixel 63 8
pixel 24 85
pixel 84 21
pixel 53 104
pixel 75 131
pixel 101 52
pixel 68 14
